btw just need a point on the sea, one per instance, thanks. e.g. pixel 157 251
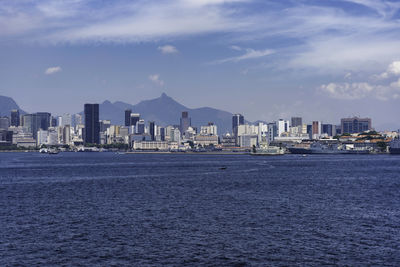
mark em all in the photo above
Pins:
pixel 108 209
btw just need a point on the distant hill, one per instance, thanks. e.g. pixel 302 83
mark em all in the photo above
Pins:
pixel 164 110
pixel 7 104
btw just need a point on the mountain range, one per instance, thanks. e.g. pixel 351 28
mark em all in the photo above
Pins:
pixel 163 110
pixel 7 104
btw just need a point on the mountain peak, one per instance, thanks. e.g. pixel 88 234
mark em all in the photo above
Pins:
pixel 164 95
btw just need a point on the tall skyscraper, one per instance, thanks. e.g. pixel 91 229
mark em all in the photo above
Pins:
pixel 316 129
pixel 15 117
pixel 92 125
pixel 355 125
pixel 128 117
pixel 328 129
pixel 297 121
pixel 185 122
pixel 152 130
pixel 135 117
pixel 43 120
pixel 36 121
pixel 237 119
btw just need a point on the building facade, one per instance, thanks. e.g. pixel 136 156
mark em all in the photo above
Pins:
pixel 92 125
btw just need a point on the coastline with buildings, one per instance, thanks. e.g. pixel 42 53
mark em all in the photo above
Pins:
pixel 86 132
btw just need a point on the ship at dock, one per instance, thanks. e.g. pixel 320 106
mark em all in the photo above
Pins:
pixel 394 146
pixel 319 148
pixel 264 149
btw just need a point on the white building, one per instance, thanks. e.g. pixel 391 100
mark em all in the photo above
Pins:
pixel 282 126
pixel 210 129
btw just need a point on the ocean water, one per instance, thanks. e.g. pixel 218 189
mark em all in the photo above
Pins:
pixel 106 209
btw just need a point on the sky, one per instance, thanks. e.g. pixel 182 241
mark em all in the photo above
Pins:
pixel 319 59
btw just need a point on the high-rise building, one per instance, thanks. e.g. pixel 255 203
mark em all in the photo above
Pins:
pixel 128 117
pixel 328 129
pixel 152 130
pixel 162 134
pixel 297 121
pixel 283 126
pixel 43 120
pixel 140 127
pixel 66 119
pixel 355 125
pixel 237 120
pixel 15 117
pixel 316 129
pixel 185 122
pixel 36 121
pixel 77 119
pixel 92 125
pixel 104 125
pixel 135 117
pixel 4 123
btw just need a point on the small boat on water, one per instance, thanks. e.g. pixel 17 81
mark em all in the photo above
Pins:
pixel 53 151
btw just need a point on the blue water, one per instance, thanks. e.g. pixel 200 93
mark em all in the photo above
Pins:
pixel 114 210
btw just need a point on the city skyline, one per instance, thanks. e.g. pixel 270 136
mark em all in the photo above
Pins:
pixel 260 58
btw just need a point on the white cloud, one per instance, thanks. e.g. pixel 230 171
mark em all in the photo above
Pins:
pixel 347 91
pixel 155 78
pixel 168 49
pixel 358 90
pixel 249 54
pixel 52 70
pixel 392 70
pixel 235 47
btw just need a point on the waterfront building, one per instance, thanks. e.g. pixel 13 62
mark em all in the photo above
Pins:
pixel 15 119
pixel 128 117
pixel 228 141
pixel 150 145
pixel 92 125
pixel 210 129
pixel 296 121
pixel 206 140
pixel 248 140
pixel 185 122
pixel 355 125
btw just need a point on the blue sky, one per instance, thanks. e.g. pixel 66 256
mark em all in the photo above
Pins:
pixel 266 59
